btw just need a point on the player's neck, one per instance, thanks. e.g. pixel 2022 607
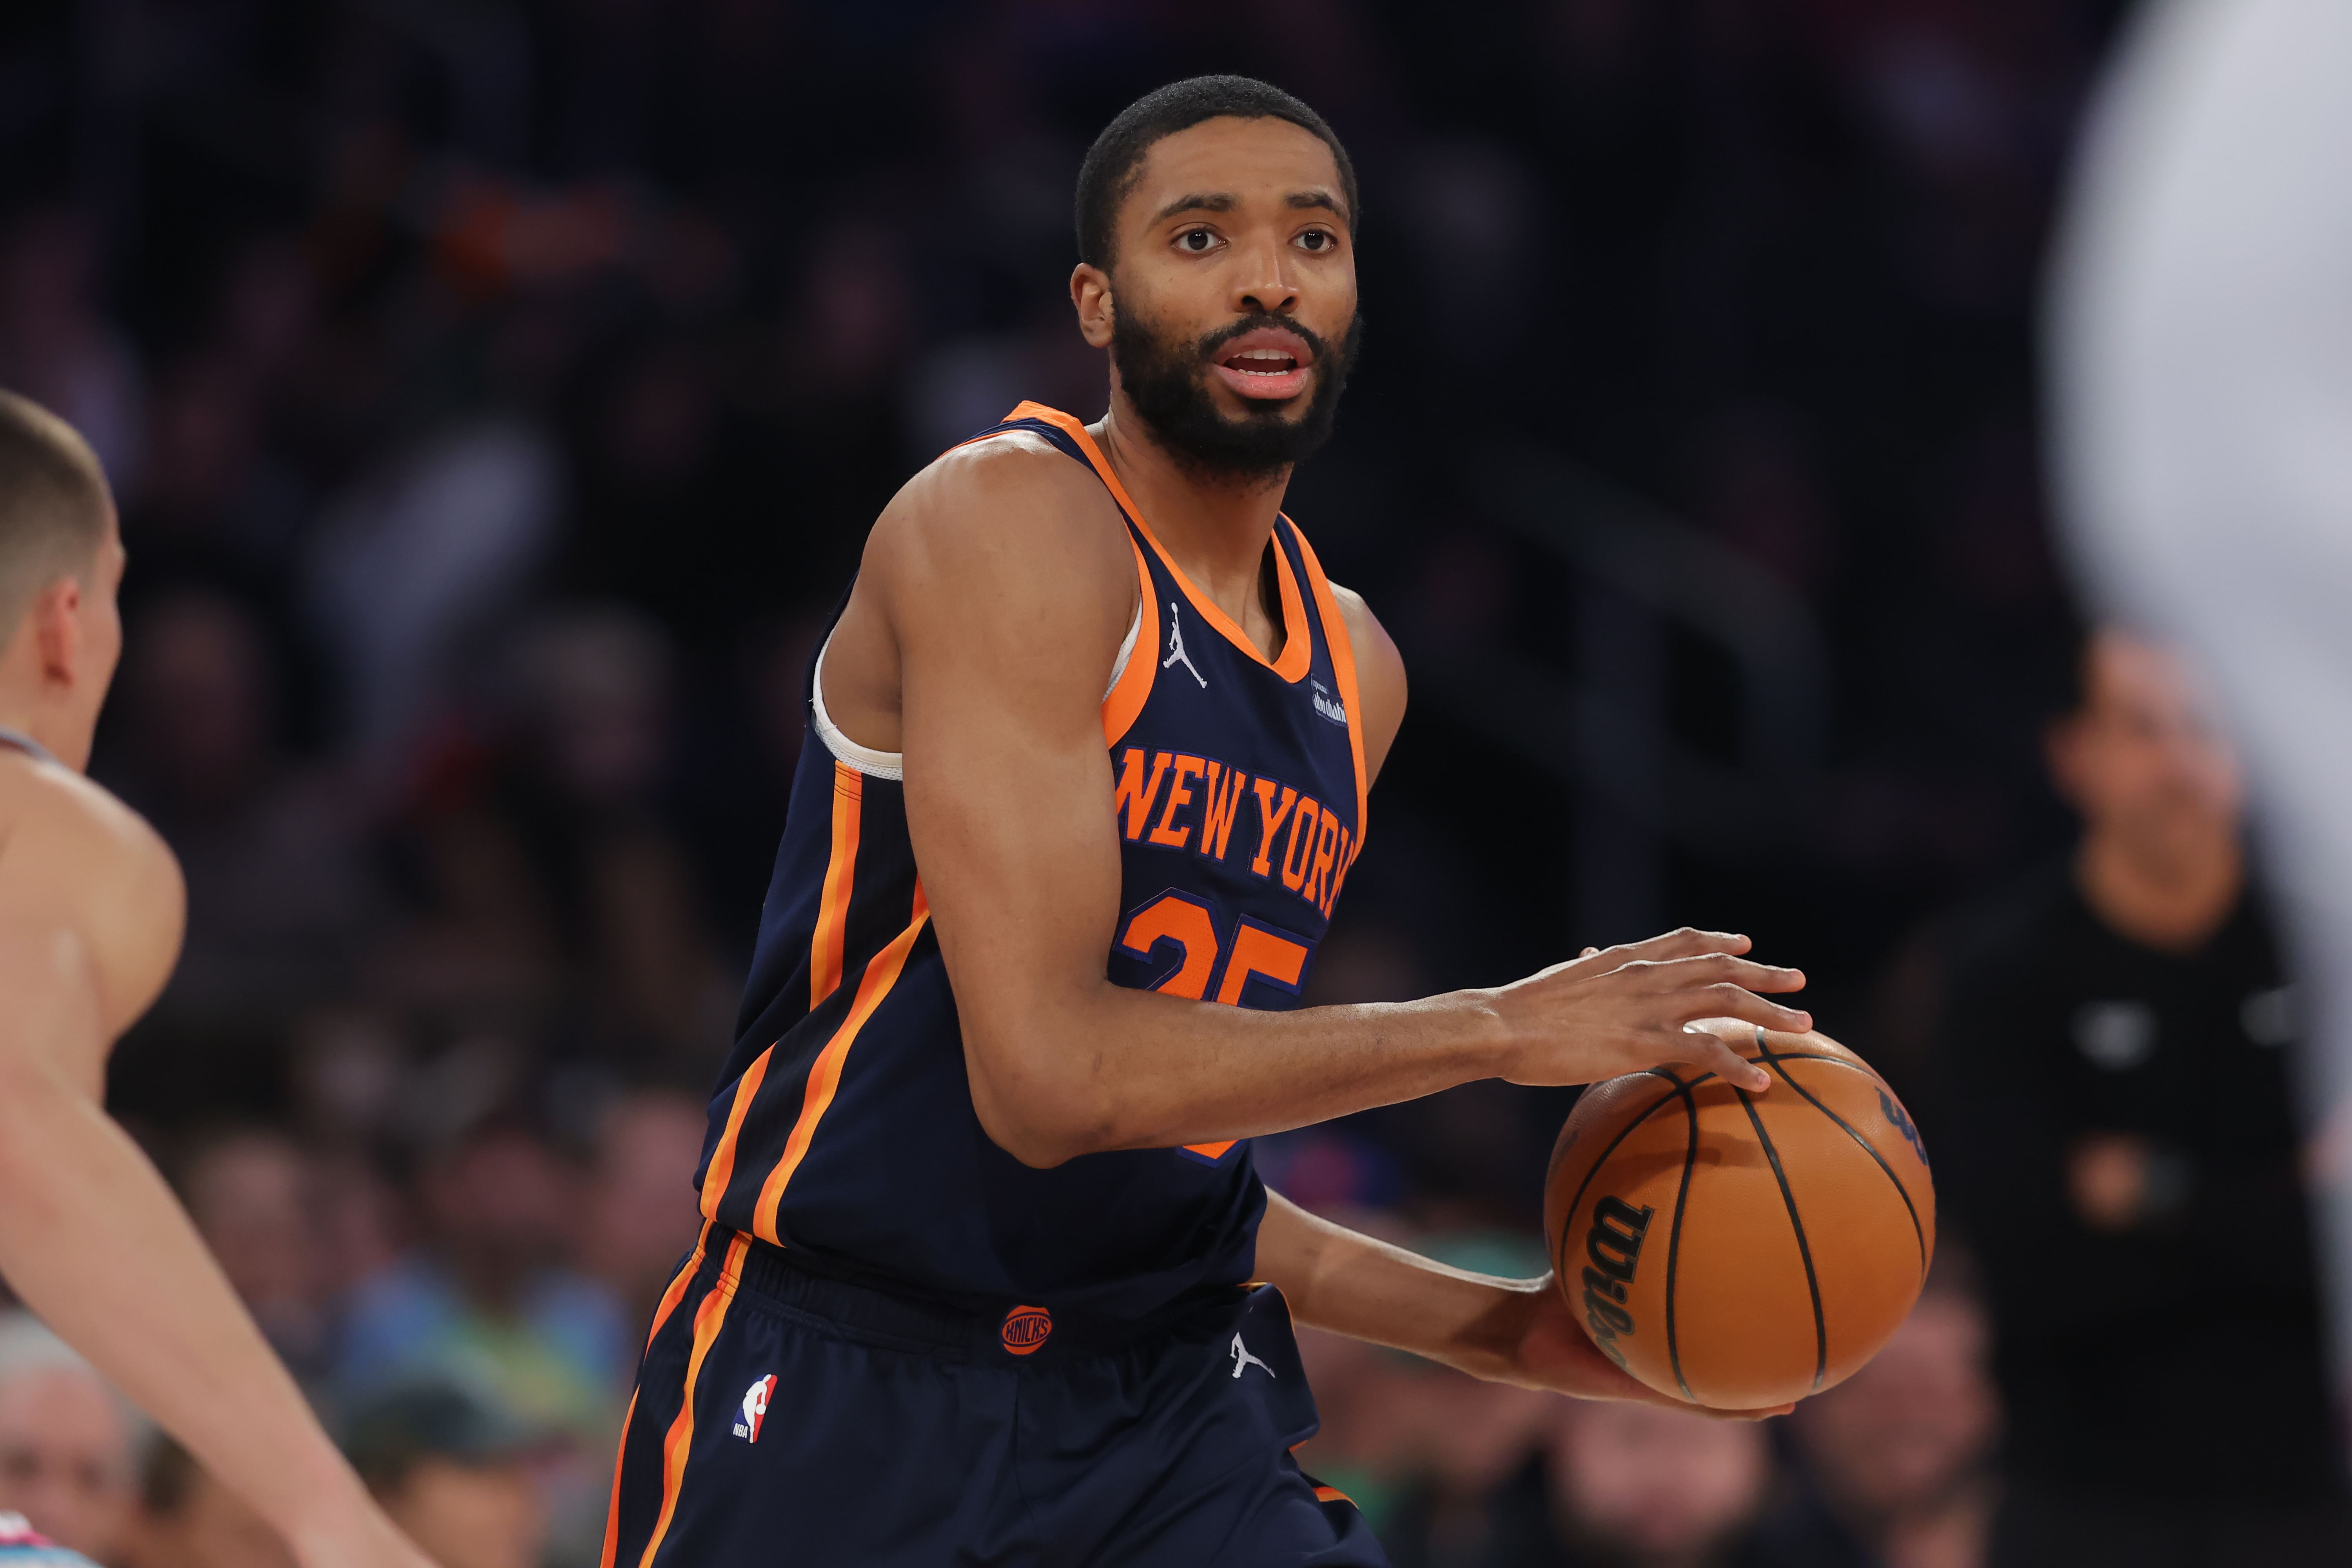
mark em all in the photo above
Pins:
pixel 1216 529
pixel 23 712
pixel 2172 901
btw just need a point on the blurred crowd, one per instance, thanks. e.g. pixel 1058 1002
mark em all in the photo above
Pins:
pixel 498 393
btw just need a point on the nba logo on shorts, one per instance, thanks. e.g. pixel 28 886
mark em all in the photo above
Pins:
pixel 755 1408
pixel 1025 1328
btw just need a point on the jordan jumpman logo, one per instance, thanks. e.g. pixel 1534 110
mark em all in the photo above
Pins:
pixel 1243 1358
pixel 1176 650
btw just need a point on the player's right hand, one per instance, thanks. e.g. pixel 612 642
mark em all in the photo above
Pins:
pixel 1626 1009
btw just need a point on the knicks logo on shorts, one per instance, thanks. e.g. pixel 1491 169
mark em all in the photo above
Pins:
pixel 1025 1328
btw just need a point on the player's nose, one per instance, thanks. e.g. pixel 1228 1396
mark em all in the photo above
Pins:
pixel 1261 283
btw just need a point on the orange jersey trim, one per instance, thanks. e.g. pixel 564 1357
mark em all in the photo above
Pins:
pixel 840 876
pixel 825 1075
pixel 1297 651
pixel 1333 1494
pixel 679 1440
pixel 1343 668
pixel 613 1504
pixel 671 1299
pixel 721 1172
pixel 1125 703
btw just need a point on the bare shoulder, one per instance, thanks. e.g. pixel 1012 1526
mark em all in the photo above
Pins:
pixel 1009 515
pixel 1380 674
pixel 73 855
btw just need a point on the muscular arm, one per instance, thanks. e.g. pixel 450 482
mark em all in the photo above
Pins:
pixel 999 584
pixel 90 1236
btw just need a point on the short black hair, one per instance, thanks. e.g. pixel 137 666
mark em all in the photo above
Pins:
pixel 52 504
pixel 1112 164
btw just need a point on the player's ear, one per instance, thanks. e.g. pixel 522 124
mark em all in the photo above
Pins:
pixel 1091 294
pixel 55 618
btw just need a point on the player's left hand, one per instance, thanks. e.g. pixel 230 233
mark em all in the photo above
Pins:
pixel 1549 1350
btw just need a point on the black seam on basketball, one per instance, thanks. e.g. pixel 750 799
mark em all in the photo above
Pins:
pixel 1675 1247
pixel 1804 1249
pixel 1918 1231
pixel 1568 1225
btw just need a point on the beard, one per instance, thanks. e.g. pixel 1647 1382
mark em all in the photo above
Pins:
pixel 1168 383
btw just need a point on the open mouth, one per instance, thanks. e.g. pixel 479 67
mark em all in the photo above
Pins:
pixel 1269 363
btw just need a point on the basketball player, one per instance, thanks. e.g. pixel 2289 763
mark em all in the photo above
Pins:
pixel 91 912
pixel 1090 742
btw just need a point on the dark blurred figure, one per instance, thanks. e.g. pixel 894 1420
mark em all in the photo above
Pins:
pixel 490 1294
pixel 641 1202
pixel 453 1471
pixel 283 899
pixel 187 1520
pixel 491 1298
pixel 1899 1455
pixel 553 881
pixel 254 1196
pixel 1636 1486
pixel 2117 1144
pixel 68 1442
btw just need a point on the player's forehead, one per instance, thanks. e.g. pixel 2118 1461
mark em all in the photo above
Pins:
pixel 1257 162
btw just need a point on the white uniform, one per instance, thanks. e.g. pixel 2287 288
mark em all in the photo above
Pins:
pixel 2202 354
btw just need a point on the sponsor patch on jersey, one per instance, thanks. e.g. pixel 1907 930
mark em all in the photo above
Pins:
pixel 1329 706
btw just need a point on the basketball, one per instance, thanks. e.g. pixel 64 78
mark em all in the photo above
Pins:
pixel 1742 1250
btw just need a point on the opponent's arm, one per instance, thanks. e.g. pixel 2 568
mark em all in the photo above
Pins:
pixel 95 1243
pixel 1521 1332
pixel 1006 585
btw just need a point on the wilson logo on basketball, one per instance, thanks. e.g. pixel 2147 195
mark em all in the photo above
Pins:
pixel 1900 1119
pixel 1611 1247
pixel 1025 1328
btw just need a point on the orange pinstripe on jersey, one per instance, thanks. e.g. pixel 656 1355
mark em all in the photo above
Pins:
pixel 825 1076
pixel 824 972
pixel 679 1440
pixel 840 873
pixel 669 1301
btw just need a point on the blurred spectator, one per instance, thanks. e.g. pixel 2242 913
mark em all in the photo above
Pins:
pixel 452 1470
pixel 2116 1104
pixel 187 1520
pixel 552 873
pixel 57 350
pixel 1898 1455
pixel 639 1216
pixel 283 899
pixel 68 1442
pixel 1636 1486
pixel 254 1194
pixel 488 1296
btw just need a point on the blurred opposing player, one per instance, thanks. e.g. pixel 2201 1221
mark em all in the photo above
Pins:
pixel 2203 361
pixel 1091 746
pixel 90 914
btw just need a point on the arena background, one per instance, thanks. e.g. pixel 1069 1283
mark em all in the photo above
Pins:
pixel 498 393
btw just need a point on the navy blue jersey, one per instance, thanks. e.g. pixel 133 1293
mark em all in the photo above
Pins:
pixel 843 1129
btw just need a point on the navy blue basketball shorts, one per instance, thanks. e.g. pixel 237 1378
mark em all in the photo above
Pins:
pixel 783 1418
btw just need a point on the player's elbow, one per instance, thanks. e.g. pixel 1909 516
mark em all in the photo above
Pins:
pixel 1038 1116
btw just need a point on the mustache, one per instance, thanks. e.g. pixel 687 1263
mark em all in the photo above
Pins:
pixel 1206 348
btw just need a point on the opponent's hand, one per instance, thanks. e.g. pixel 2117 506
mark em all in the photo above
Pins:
pixel 1625 1009
pixel 1547 1348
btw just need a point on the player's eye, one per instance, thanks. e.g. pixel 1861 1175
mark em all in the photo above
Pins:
pixel 1316 241
pixel 1196 240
